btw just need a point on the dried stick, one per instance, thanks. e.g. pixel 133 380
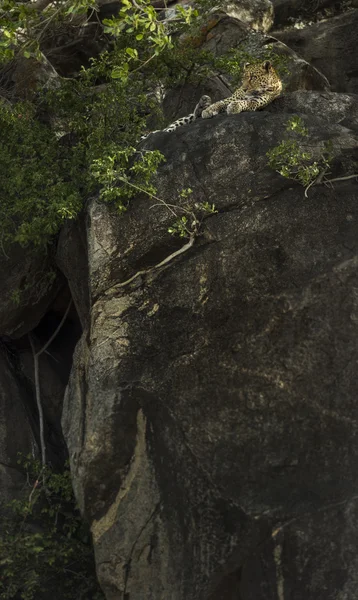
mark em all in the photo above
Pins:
pixel 36 356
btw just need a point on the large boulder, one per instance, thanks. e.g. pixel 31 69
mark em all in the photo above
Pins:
pixel 72 258
pixel 258 14
pixel 286 11
pixel 29 283
pixel 211 411
pixel 331 47
pixel 334 107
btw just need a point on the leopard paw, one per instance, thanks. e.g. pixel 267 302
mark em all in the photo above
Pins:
pixel 235 108
pixel 204 102
pixel 214 109
pixel 207 113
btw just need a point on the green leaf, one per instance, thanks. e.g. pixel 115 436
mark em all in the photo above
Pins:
pixel 132 52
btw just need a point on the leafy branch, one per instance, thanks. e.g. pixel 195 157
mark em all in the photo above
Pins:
pixel 120 181
pixel 290 158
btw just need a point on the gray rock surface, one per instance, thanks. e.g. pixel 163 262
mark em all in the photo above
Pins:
pixel 333 107
pixel 288 10
pixel 331 47
pixel 211 411
pixel 258 14
pixel 71 258
pixel 28 286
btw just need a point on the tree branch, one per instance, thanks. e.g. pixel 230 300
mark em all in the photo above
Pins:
pixel 41 4
pixel 56 330
pixel 36 356
pixel 38 402
pixel 342 178
pixel 181 250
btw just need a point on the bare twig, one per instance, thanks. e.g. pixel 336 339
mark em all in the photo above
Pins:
pixel 38 401
pixel 3 250
pixel 143 191
pixel 342 178
pixel 49 20
pixel 143 64
pixel 169 258
pixel 56 330
pixel 36 356
pixel 310 185
pixel 160 201
pixel 41 4
pixel 34 487
pixel 321 179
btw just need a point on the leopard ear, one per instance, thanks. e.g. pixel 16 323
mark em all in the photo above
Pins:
pixel 267 65
pixel 246 65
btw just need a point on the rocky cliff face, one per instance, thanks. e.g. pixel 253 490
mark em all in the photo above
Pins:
pixel 210 411
pixel 210 414
pixel 330 47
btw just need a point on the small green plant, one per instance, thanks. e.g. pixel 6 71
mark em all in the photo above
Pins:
pixel 188 224
pixel 208 208
pixel 124 174
pixel 44 544
pixel 291 159
pixel 180 227
pixel 93 119
pixel 15 297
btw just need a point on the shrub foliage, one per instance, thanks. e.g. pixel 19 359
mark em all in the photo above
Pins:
pixel 79 134
pixel 44 544
pixel 294 158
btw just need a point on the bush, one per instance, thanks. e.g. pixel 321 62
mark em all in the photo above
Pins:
pixel 92 122
pixel 45 547
pixel 37 188
pixel 294 159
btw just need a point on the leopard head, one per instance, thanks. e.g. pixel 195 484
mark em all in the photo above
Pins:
pixel 258 76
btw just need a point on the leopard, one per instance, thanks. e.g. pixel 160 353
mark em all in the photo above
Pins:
pixel 204 102
pixel 260 85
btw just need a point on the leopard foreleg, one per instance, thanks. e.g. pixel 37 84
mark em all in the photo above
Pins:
pixel 251 102
pixel 215 109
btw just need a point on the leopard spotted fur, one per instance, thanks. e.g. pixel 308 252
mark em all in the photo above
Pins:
pixel 260 85
pixel 204 102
